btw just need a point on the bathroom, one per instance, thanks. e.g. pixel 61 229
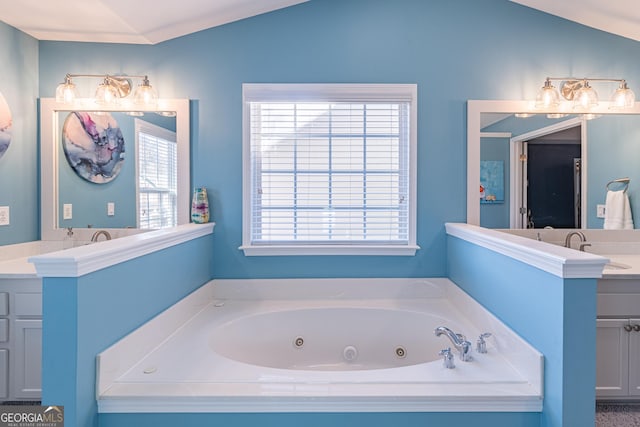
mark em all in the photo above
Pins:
pixel 453 51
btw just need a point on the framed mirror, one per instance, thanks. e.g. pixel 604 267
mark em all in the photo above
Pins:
pixel 82 191
pixel 603 142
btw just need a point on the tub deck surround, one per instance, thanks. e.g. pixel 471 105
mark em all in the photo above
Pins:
pixel 554 259
pixel 621 247
pixel 170 363
pixel 80 260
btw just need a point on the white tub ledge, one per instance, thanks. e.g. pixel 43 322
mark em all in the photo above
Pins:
pixel 81 260
pixel 149 371
pixel 554 259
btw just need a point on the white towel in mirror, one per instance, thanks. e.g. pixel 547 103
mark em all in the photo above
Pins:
pixel 617 213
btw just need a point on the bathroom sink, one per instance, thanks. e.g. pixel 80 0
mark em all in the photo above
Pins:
pixel 616 266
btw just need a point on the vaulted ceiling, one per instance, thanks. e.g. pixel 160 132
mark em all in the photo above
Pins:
pixel 127 21
pixel 154 21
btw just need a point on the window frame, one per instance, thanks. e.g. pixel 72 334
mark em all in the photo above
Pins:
pixel 316 92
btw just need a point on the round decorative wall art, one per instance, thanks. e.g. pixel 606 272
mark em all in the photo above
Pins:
pixel 93 145
pixel 5 125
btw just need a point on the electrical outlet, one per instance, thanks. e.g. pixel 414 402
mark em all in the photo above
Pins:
pixel 67 211
pixel 4 215
pixel 111 209
pixel 600 211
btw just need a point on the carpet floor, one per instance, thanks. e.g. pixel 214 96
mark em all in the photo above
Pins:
pixel 616 415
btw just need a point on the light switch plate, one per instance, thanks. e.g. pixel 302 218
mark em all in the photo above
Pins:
pixel 4 215
pixel 67 211
pixel 111 209
pixel 600 211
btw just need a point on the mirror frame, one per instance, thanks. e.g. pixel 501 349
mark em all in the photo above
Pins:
pixel 475 108
pixel 49 157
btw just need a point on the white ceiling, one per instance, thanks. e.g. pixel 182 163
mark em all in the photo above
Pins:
pixel 621 17
pixel 127 21
pixel 154 21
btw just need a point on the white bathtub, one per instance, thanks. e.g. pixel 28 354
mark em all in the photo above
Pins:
pixel 318 345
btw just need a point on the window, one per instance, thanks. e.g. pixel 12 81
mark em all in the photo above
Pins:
pixel 329 169
pixel 157 176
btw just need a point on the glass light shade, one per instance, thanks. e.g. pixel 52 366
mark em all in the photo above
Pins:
pixel 66 92
pixel 547 96
pixel 623 97
pixel 145 94
pixel 585 97
pixel 106 94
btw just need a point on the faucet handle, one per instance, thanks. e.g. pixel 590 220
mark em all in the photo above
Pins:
pixel 481 344
pixel 448 358
pixel 583 245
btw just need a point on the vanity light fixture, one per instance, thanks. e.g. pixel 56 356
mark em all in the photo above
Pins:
pixel 110 90
pixel 582 94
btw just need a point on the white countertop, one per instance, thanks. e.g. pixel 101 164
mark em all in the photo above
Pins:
pixel 17 268
pixel 622 266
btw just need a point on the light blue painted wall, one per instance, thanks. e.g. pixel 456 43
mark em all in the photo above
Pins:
pixel 85 315
pixel 557 316
pixel 320 420
pixel 454 51
pixel 19 178
pixel 618 140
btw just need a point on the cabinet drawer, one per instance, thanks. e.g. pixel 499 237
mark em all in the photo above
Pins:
pixel 4 304
pixel 28 304
pixel 4 330
pixel 619 305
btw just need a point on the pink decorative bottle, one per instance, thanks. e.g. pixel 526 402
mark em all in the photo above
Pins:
pixel 200 206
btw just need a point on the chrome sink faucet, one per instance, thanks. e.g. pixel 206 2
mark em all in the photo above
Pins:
pixel 458 340
pixel 98 233
pixel 581 236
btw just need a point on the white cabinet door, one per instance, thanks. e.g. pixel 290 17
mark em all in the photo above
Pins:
pixel 612 357
pixel 4 373
pixel 634 358
pixel 28 362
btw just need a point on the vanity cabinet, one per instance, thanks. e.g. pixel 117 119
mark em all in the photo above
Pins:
pixel 20 339
pixel 618 340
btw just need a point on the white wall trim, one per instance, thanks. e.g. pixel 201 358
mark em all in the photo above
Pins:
pixel 554 259
pixel 86 259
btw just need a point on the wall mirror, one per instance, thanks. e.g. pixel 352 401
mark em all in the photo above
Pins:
pixel 70 199
pixel 502 137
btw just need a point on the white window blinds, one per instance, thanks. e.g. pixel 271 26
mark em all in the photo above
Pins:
pixel 330 172
pixel 157 176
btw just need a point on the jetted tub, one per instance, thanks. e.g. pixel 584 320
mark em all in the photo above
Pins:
pixel 318 345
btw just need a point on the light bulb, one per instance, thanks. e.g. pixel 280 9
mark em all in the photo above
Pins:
pixel 547 96
pixel 586 97
pixel 106 94
pixel 623 97
pixel 66 92
pixel 145 94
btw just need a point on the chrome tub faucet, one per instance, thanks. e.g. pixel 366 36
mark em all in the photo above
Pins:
pixel 458 340
pixel 99 233
pixel 581 237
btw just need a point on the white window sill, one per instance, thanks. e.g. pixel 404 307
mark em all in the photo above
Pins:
pixel 395 250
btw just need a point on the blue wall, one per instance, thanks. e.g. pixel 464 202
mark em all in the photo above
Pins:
pixel 19 178
pixel 320 420
pixel 617 139
pixel 83 316
pixel 454 50
pixel 557 316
